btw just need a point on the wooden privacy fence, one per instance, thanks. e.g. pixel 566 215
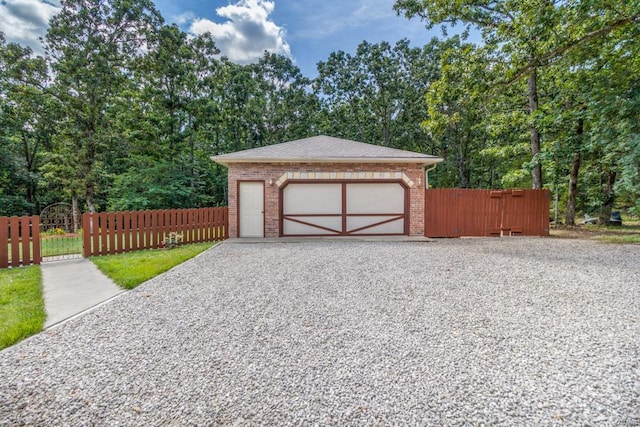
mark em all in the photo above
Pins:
pixel 19 241
pixel 466 212
pixel 118 232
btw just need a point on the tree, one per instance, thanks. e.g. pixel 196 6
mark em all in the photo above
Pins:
pixel 377 94
pixel 529 35
pixel 27 115
pixel 168 107
pixel 455 115
pixel 91 45
pixel 288 106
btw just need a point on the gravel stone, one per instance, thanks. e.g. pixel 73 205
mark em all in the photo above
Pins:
pixel 495 331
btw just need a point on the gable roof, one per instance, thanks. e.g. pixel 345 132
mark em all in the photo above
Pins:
pixel 325 149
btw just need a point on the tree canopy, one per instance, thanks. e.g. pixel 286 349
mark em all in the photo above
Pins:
pixel 124 111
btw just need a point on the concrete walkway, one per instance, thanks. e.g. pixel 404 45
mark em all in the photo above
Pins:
pixel 73 286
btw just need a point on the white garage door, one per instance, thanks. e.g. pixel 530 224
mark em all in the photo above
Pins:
pixel 343 208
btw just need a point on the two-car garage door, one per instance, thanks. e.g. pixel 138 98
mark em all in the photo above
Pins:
pixel 344 208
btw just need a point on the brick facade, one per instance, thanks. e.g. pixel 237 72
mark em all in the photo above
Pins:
pixel 270 173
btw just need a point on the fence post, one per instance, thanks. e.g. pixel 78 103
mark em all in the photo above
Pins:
pixel 14 223
pixel 4 242
pixel 87 231
pixel 25 239
pixel 35 238
pixel 225 221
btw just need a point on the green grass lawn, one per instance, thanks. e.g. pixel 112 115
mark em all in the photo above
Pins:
pixel 620 238
pixel 629 233
pixel 54 245
pixel 22 310
pixel 130 269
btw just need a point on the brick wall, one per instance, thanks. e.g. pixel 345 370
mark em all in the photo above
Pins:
pixel 273 171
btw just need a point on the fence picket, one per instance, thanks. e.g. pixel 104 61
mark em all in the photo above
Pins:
pixel 114 232
pixel 126 222
pixel 185 225
pixel 4 242
pixel 14 223
pixel 216 221
pixel 35 238
pixel 25 239
pixel 95 231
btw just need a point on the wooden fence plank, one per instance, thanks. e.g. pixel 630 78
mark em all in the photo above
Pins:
pixel 119 218
pixel 225 221
pixel 25 239
pixel 185 225
pixel 217 219
pixel 161 229
pixel 198 225
pixel 35 238
pixel 210 224
pixel 97 249
pixel 136 234
pixel 192 226
pixel 4 242
pixel 111 232
pixel 214 224
pixel 168 225
pixel 14 224
pixel 154 229
pixel 126 223
pixel 104 227
pixel 86 235
pixel 147 230
pixel 215 230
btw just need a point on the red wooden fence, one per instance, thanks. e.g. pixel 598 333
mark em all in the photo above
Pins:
pixel 118 232
pixel 465 212
pixel 19 241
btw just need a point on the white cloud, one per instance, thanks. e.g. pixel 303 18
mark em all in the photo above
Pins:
pixel 23 21
pixel 184 18
pixel 247 31
pixel 324 19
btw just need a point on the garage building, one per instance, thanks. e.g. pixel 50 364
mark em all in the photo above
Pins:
pixel 325 186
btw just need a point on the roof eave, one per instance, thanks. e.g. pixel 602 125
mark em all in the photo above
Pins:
pixel 416 160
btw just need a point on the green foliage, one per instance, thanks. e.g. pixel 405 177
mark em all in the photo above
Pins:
pixel 26 120
pixel 377 95
pixel 130 269
pixel 21 304
pixel 160 185
pixel 627 239
pixel 124 112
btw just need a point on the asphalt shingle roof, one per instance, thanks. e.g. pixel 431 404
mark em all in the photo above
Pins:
pixel 325 149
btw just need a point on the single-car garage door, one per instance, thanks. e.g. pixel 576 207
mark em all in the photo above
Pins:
pixel 344 208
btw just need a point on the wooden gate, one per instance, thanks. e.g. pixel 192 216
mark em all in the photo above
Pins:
pixel 465 212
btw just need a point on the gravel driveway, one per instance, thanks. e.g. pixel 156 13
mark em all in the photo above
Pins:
pixel 508 331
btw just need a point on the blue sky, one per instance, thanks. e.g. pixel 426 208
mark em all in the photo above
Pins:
pixel 306 30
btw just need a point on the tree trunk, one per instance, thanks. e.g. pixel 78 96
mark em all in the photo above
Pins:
pixel 570 215
pixel 536 172
pixel 608 197
pixel 89 197
pixel 74 212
